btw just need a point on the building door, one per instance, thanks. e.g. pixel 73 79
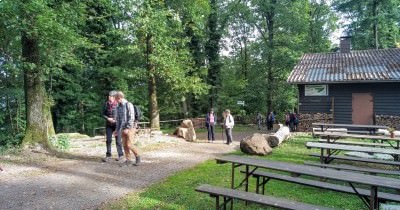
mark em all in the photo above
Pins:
pixel 363 108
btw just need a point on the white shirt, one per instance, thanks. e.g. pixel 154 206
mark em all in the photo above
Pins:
pixel 229 123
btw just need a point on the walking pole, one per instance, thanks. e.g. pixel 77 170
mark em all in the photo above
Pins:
pixel 222 132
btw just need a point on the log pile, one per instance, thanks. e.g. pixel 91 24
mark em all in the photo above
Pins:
pixel 306 120
pixel 388 120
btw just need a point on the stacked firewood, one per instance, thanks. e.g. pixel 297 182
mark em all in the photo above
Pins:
pixel 388 120
pixel 306 120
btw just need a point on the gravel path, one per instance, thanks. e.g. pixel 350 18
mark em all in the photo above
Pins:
pixel 37 180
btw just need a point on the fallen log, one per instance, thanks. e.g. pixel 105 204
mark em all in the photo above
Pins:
pixel 278 137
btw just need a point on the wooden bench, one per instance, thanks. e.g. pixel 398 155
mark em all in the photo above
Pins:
pixel 353 168
pixel 356 143
pixel 352 148
pixel 366 160
pixel 229 194
pixel 356 136
pixel 263 177
pixel 371 129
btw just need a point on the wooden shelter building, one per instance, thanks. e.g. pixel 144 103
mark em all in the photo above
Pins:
pixel 351 87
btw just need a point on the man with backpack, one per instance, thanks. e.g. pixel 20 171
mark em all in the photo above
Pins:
pixel 109 114
pixel 126 128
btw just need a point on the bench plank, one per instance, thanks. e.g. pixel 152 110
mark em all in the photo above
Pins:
pixel 357 143
pixel 325 185
pixel 257 198
pixel 356 136
pixel 353 168
pixel 366 160
pixel 352 148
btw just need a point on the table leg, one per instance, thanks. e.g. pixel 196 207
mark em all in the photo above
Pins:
pixel 217 202
pixel 233 176
pixel 247 181
pixel 322 156
pixel 374 202
pixel 396 157
pixel 233 181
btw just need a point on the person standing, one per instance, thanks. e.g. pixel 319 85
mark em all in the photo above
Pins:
pixel 271 120
pixel 293 122
pixel 259 120
pixel 109 114
pixel 126 128
pixel 211 120
pixel 287 119
pixel 228 125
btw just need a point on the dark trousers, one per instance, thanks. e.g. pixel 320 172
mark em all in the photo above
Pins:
pixel 210 130
pixel 270 125
pixel 228 132
pixel 109 134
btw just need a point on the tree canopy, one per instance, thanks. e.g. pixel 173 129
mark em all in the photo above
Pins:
pixel 172 58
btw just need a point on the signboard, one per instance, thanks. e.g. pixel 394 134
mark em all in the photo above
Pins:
pixel 240 103
pixel 316 90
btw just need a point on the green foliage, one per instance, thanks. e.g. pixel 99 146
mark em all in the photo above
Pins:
pixel 373 23
pixel 61 142
pixel 87 48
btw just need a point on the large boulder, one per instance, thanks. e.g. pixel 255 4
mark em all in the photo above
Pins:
pixel 255 145
pixel 186 130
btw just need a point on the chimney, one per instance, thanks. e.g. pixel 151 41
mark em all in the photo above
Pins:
pixel 345 44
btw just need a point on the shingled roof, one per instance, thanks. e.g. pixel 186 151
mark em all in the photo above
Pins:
pixel 382 65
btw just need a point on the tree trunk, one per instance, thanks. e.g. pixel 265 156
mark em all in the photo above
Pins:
pixel 153 109
pixel 39 124
pixel 212 50
pixel 270 15
pixel 276 139
pixel 375 23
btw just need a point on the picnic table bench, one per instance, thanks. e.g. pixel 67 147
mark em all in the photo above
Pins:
pixel 372 182
pixel 372 171
pixel 370 128
pixel 357 143
pixel 263 177
pixel 229 194
pixel 357 159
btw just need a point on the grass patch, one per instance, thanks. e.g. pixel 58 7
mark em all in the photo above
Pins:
pixel 177 191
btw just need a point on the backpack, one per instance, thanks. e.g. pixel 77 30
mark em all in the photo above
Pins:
pixel 138 113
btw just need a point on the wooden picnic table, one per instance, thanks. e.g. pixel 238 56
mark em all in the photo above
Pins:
pixel 370 128
pixel 331 137
pixel 252 164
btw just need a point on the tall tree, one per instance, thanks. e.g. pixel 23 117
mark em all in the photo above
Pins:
pixel 47 39
pixel 373 23
pixel 168 61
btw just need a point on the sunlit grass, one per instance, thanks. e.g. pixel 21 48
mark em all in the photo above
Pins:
pixel 177 191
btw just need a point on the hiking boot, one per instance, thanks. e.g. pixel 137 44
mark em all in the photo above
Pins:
pixel 120 158
pixel 138 160
pixel 106 159
pixel 126 163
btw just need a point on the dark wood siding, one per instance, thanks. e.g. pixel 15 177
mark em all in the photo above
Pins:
pixel 313 104
pixel 386 100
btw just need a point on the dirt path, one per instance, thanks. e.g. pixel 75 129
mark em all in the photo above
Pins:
pixel 36 180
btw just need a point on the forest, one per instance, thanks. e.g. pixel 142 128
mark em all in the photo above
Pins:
pixel 172 58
